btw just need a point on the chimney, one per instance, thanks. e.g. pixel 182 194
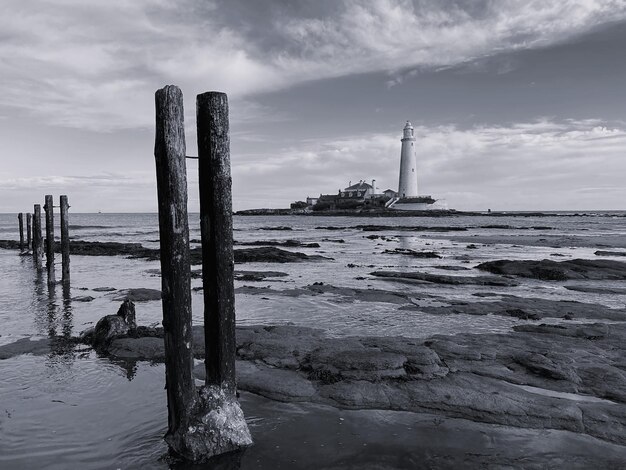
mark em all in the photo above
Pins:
pixel 374 186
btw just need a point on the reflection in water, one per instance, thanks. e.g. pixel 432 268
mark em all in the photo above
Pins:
pixel 66 322
pixel 128 366
pixel 50 317
pixel 228 461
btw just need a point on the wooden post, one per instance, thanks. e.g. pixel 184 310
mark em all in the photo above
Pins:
pixel 65 240
pixel 49 208
pixel 37 242
pixel 216 225
pixel 20 220
pixel 169 152
pixel 28 231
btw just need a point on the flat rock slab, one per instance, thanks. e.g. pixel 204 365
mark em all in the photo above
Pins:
pixel 256 276
pixel 528 308
pixel 598 290
pixel 445 279
pixel 286 243
pixel 344 294
pixel 138 294
pixel 480 377
pixel 548 270
pixel 37 347
pixel 146 348
pixel 272 254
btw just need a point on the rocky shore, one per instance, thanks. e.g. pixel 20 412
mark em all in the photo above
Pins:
pixel 567 377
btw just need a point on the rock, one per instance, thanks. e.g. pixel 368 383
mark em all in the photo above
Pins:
pixel 414 228
pixel 257 275
pixel 529 308
pixel 610 253
pixel 217 426
pixel 144 348
pixel 37 347
pixel 558 270
pixel 105 289
pixel 274 383
pixel 138 294
pixel 271 255
pixel 113 326
pixel 539 376
pixel 287 243
pixel 132 250
pixel 589 331
pixel 412 253
pixel 598 290
pixel 444 279
pixel 281 228
pixel 83 298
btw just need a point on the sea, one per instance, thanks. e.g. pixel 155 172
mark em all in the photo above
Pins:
pixel 73 409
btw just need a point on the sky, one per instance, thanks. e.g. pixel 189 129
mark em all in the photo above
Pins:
pixel 517 104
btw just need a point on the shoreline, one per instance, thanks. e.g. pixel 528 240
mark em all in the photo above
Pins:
pixel 555 381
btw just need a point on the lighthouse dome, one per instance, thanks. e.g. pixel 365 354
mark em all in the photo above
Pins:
pixel 408 131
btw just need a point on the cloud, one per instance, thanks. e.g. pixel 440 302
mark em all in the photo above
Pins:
pixel 543 165
pixel 96 65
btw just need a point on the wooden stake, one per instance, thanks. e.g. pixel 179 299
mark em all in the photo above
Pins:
pixel 20 219
pixel 37 241
pixel 169 152
pixel 28 231
pixel 65 240
pixel 49 208
pixel 216 225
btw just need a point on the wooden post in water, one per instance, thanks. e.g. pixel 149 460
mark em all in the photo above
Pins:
pixel 37 241
pixel 65 240
pixel 28 231
pixel 216 225
pixel 49 208
pixel 20 220
pixel 169 152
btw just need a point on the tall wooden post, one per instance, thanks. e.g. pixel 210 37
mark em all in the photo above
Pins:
pixel 49 208
pixel 28 231
pixel 65 240
pixel 20 220
pixel 216 225
pixel 37 241
pixel 169 152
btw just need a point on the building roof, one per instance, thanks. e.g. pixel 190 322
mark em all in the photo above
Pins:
pixel 361 185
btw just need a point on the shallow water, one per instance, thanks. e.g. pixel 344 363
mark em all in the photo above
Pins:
pixel 71 409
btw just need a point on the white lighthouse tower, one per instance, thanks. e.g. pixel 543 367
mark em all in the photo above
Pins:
pixel 407 188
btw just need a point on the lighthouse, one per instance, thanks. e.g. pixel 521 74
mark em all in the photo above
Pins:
pixel 407 187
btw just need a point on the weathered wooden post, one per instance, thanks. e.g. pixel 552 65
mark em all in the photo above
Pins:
pixel 216 225
pixel 37 242
pixel 28 231
pixel 209 422
pixel 169 152
pixel 65 240
pixel 20 220
pixel 49 208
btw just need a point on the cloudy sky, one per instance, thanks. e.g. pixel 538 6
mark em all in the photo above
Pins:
pixel 517 104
